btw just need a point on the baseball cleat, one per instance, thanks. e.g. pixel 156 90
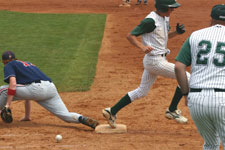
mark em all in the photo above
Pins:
pixel 124 5
pixel 89 122
pixel 110 118
pixel 176 115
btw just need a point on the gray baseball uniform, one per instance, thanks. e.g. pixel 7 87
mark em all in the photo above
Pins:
pixel 28 82
pixel 45 94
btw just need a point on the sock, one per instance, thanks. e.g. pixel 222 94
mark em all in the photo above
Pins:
pixel 122 103
pixel 80 118
pixel 176 99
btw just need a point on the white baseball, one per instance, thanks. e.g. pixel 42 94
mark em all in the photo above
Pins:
pixel 58 138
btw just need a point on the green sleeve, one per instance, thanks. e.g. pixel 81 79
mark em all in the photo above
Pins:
pixel 184 54
pixel 147 25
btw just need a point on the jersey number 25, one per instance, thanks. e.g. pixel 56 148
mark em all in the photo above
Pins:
pixel 220 49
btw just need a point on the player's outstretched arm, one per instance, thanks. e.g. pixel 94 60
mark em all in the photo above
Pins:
pixel 11 91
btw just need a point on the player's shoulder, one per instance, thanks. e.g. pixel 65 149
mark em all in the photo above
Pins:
pixel 149 21
pixel 152 15
pixel 201 31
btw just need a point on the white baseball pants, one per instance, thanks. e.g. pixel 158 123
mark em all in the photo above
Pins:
pixel 207 109
pixel 153 66
pixel 45 94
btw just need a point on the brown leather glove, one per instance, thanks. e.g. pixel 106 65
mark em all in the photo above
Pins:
pixel 6 115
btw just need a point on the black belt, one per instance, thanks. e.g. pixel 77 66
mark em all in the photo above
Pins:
pixel 164 55
pixel 199 90
pixel 38 81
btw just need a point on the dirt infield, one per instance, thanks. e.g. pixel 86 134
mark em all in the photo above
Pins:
pixel 119 70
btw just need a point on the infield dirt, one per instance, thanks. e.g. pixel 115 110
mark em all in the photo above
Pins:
pixel 119 70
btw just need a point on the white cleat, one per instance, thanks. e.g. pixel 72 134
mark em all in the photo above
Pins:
pixel 110 118
pixel 176 115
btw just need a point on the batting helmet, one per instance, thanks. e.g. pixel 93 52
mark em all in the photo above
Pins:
pixel 163 5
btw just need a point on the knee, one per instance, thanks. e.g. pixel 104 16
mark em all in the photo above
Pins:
pixel 143 92
pixel 138 93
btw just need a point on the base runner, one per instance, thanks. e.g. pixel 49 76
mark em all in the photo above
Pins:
pixel 154 30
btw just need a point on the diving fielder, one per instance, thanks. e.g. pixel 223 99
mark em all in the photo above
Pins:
pixel 204 50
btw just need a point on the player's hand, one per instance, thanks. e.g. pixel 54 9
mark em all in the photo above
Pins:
pixel 147 49
pixel 180 28
pixel 6 115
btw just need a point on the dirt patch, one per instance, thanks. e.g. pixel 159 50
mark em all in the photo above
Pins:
pixel 119 70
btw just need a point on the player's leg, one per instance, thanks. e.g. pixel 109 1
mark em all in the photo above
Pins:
pixel 219 118
pixel 146 82
pixel 56 106
pixel 22 93
pixel 205 113
pixel 3 95
pixel 166 69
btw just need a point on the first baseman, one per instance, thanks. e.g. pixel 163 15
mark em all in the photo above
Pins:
pixel 154 32
pixel 204 50
pixel 28 82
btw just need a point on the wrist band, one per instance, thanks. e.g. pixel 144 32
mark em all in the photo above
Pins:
pixel 11 91
pixel 185 94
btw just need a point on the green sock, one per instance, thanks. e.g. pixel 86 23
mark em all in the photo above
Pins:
pixel 176 99
pixel 122 103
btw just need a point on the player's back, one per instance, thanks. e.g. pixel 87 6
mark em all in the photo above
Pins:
pixel 208 57
pixel 25 72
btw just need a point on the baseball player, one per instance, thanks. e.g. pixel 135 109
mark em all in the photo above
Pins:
pixel 154 32
pixel 204 50
pixel 27 82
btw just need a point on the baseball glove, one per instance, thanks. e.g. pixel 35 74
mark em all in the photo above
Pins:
pixel 180 28
pixel 6 115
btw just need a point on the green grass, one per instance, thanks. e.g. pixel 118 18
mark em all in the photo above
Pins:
pixel 64 46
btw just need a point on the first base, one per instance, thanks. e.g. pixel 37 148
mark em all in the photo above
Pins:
pixel 106 128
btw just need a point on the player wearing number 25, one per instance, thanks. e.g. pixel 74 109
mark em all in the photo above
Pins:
pixel 204 51
pixel 28 82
